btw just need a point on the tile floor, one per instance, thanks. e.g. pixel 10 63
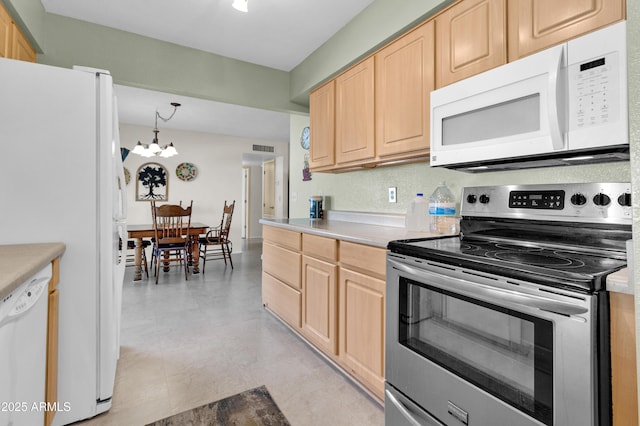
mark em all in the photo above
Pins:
pixel 185 344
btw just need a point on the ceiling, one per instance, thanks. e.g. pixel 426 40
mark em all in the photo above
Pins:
pixel 274 33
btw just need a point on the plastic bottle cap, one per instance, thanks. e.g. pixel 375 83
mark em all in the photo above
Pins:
pixel 419 194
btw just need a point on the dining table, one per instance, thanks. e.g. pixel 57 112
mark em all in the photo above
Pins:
pixel 141 231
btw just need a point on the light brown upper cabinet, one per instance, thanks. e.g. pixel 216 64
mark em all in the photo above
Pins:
pixel 22 49
pixel 470 39
pixel 537 24
pixel 13 44
pixel 355 113
pixel 404 80
pixel 322 127
pixel 6 29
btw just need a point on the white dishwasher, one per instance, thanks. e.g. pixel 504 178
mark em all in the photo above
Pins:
pixel 23 344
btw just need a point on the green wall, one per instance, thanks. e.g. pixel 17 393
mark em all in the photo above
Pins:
pixel 138 61
pixel 374 26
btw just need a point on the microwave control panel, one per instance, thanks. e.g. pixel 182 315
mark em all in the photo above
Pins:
pixel 594 91
pixel 596 80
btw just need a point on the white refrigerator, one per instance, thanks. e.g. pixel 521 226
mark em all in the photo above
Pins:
pixel 62 180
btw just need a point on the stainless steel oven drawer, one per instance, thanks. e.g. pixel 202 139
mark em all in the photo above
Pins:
pixel 401 411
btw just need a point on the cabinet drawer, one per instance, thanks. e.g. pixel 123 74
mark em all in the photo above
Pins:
pixel 373 260
pixel 283 237
pixel 323 247
pixel 282 263
pixel 285 301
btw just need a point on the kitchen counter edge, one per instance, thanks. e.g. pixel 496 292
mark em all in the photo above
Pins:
pixel 359 233
pixel 620 282
pixel 19 262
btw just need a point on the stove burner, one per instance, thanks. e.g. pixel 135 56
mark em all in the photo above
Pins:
pixel 466 248
pixel 536 259
pixel 518 248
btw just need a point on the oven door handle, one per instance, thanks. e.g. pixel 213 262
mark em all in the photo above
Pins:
pixel 401 408
pixel 488 292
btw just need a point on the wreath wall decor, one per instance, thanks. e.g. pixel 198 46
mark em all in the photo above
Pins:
pixel 186 171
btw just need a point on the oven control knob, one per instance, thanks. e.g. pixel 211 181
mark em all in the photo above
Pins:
pixel 484 199
pixel 471 198
pixel 601 199
pixel 625 200
pixel 578 199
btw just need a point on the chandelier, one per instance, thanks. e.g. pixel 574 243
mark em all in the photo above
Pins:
pixel 154 147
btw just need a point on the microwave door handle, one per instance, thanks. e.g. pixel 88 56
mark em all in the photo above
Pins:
pixel 492 293
pixel 555 101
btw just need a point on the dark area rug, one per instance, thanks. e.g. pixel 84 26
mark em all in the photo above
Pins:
pixel 252 407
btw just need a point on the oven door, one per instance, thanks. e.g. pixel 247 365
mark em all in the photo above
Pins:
pixel 476 349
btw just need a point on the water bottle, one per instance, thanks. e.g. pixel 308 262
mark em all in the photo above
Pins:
pixel 417 218
pixel 442 211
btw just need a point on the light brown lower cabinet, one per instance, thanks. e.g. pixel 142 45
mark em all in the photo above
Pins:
pixel 51 379
pixel 338 307
pixel 624 390
pixel 319 306
pixel 282 299
pixel 362 328
pixel 281 285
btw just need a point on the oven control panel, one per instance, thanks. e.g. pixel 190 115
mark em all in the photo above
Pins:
pixel 551 200
pixel 576 202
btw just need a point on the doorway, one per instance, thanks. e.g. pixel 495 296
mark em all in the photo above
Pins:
pixel 269 188
pixel 246 201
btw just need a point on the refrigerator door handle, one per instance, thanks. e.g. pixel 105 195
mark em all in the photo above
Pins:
pixel 121 184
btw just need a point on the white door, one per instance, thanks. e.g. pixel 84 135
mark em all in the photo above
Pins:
pixel 269 188
pixel 246 196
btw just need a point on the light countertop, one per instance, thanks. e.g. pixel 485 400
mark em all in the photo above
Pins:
pixel 361 233
pixel 620 282
pixel 18 262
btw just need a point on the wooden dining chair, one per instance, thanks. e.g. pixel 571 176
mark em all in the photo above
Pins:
pixel 131 248
pixel 171 229
pixel 215 244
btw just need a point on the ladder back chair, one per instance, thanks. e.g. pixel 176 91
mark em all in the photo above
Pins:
pixel 215 244
pixel 171 228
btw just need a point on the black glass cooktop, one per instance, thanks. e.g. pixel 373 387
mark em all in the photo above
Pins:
pixel 557 266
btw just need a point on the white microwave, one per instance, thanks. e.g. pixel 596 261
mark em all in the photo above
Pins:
pixel 562 106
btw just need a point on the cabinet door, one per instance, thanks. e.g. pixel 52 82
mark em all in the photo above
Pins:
pixel 404 81
pixel 322 126
pixel 282 299
pixel 624 391
pixel 537 24
pixel 355 113
pixel 51 381
pixel 319 310
pixel 22 49
pixel 361 332
pixel 281 263
pixel 470 39
pixel 6 28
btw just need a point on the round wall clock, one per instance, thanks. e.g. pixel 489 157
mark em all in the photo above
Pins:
pixel 304 137
pixel 186 171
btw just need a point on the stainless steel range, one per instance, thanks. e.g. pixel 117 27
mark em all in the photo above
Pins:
pixel 508 324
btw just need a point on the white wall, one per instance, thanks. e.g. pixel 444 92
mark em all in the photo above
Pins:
pixel 218 159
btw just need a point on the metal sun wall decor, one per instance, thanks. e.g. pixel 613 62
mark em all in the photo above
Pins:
pixel 152 183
